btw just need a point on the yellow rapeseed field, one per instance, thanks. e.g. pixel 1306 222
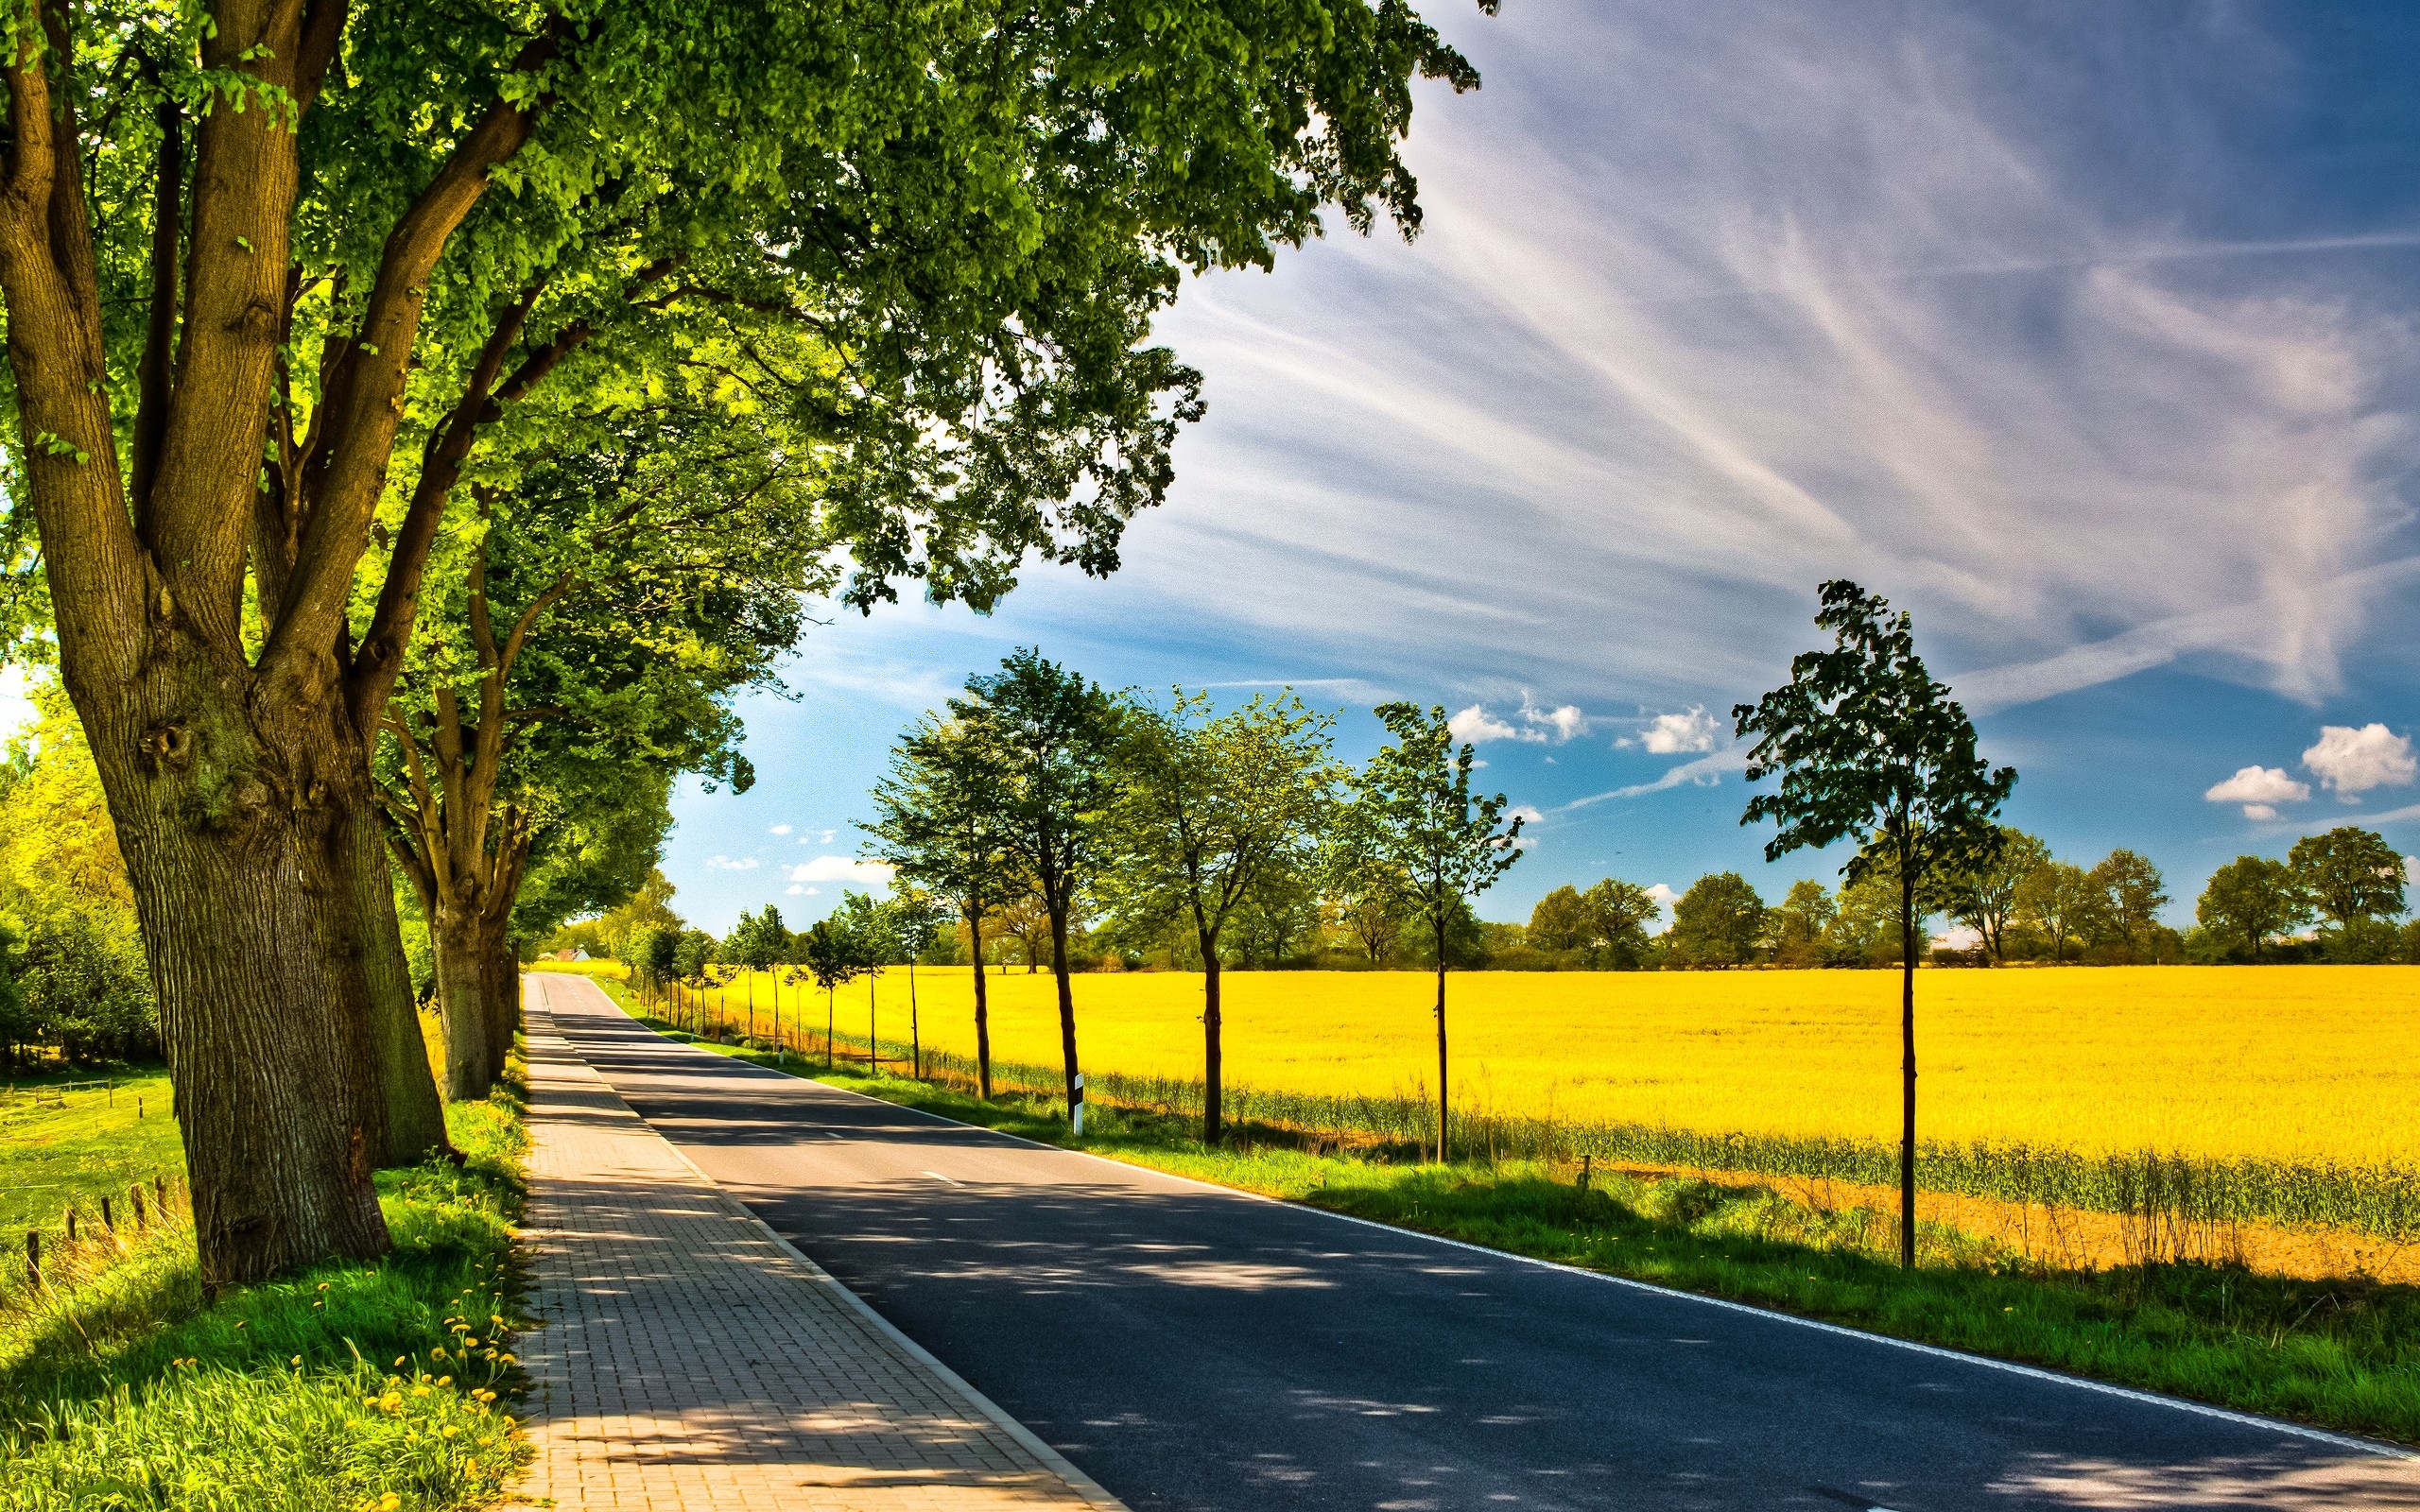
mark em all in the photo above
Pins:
pixel 2263 1061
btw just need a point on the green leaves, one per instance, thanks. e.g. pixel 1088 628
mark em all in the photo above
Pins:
pixel 1414 811
pixel 1867 744
pixel 1213 811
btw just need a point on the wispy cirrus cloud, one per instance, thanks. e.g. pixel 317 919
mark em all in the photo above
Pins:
pixel 1821 297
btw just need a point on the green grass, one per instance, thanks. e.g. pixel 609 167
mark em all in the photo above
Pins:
pixel 348 1386
pixel 91 1144
pixel 2341 1353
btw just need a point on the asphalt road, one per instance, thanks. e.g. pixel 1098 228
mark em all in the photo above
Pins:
pixel 1196 1349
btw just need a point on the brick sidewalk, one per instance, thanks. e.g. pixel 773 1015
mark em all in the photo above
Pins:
pixel 689 1359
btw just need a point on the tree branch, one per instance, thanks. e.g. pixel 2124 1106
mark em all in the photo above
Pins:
pixel 153 374
pixel 343 481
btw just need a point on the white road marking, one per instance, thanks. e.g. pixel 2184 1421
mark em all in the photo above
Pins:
pixel 943 1180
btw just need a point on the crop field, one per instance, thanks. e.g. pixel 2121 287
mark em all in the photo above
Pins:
pixel 2283 1093
pixel 2281 1063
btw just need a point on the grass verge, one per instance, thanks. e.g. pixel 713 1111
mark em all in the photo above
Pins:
pixel 67 1141
pixel 2341 1353
pixel 351 1385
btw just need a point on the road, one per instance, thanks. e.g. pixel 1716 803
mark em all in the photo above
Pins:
pixel 1196 1349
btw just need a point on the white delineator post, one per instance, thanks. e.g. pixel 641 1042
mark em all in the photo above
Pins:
pixel 1075 1111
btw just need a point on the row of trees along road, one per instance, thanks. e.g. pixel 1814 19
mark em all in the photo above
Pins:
pixel 860 937
pixel 342 342
pixel 1036 782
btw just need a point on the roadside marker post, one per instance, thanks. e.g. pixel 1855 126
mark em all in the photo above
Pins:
pixel 1076 1110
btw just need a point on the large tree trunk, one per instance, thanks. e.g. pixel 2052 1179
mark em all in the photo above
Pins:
pixel 1907 1069
pixel 456 931
pixel 499 994
pixel 211 813
pixel 351 890
pixel 1211 1096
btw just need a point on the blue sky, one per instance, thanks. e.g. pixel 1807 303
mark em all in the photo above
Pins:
pixel 2082 332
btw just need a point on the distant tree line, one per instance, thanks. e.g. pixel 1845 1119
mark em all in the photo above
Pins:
pixel 2023 905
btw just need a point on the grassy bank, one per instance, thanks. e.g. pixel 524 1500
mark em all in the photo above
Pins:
pixel 2343 1353
pixel 348 1386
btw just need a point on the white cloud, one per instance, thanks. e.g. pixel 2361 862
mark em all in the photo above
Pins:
pixel 1664 897
pixel 1671 734
pixel 2260 789
pixel 2354 761
pixel 1557 724
pixel 1475 726
pixel 779 829
pixel 1706 771
pixel 721 862
pixel 802 890
pixel 1538 726
pixel 843 869
pixel 826 836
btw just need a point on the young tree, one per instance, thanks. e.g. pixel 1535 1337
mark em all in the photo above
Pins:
pixel 1868 746
pixel 1212 814
pixel 833 957
pixel 757 943
pixel 866 924
pixel 1718 922
pixel 2351 874
pixel 1984 896
pixel 1051 736
pixel 941 815
pixel 295 196
pixel 2253 900
pixel 916 919
pixel 2132 893
pixel 1425 825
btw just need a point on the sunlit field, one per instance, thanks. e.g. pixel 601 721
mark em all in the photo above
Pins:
pixel 2289 1063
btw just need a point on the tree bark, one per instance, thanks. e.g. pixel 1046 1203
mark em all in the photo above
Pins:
pixel 982 1010
pixel 1440 1044
pixel 461 972
pixel 1212 1097
pixel 1058 909
pixel 351 892
pixel 1907 1069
